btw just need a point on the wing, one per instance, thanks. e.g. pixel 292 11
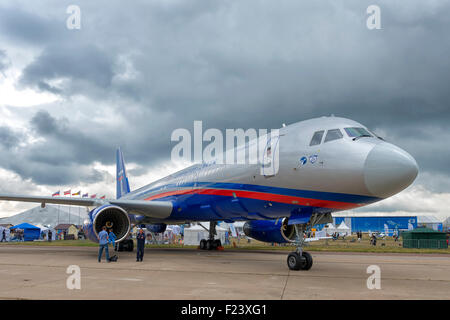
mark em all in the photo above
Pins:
pixel 153 209
pixel 54 200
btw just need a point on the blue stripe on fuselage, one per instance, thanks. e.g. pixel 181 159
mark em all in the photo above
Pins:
pixel 320 195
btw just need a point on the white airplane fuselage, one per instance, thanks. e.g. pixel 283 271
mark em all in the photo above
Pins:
pixel 347 172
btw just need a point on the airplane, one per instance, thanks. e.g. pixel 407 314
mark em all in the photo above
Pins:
pixel 326 165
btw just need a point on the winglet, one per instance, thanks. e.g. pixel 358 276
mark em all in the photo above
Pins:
pixel 123 186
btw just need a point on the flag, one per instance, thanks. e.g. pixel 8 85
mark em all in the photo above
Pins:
pixel 85 195
pixel 55 194
pixel 67 192
pixel 104 197
pixel 93 196
pixel 76 193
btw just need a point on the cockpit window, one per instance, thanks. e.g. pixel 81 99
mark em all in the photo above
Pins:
pixel 317 138
pixel 333 134
pixel 357 132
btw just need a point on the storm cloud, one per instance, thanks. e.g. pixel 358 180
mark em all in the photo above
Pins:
pixel 133 73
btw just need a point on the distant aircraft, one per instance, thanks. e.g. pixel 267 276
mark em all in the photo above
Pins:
pixel 326 165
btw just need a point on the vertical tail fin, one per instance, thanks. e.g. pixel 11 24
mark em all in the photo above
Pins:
pixel 121 175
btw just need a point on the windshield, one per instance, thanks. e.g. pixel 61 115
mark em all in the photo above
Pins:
pixel 357 132
pixel 333 134
pixel 317 138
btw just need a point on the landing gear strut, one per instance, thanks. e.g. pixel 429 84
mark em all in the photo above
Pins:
pixel 299 259
pixel 210 244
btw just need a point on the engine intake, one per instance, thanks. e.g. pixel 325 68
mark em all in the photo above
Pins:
pixel 113 217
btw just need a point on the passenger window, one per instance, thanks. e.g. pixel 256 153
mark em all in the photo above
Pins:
pixel 317 138
pixel 334 134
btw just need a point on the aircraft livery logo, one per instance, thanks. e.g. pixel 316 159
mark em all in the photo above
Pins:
pixel 313 158
pixel 303 160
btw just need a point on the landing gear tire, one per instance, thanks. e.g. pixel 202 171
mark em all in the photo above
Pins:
pixel 130 245
pixel 217 243
pixel 203 244
pixel 297 262
pixel 210 245
pixel 125 245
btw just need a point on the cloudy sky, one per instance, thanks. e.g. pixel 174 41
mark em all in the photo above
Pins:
pixel 134 72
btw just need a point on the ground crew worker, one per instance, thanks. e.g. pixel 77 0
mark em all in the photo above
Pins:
pixel 112 238
pixel 103 244
pixel 140 239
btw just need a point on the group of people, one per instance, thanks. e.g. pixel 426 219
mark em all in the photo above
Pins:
pixel 108 237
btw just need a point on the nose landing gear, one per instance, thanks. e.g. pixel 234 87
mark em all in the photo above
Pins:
pixel 299 259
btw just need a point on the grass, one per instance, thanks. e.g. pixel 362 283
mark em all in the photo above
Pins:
pixel 390 246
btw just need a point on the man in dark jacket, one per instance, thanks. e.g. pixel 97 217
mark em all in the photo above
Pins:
pixel 140 239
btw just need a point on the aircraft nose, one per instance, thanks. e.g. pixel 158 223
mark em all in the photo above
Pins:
pixel 388 170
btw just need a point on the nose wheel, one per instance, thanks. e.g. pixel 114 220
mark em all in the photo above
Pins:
pixel 295 261
pixel 299 259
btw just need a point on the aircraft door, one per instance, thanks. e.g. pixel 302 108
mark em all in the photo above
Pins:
pixel 270 158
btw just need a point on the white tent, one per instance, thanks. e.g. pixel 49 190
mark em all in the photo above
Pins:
pixel 343 229
pixel 330 229
pixel 195 233
pixel 45 230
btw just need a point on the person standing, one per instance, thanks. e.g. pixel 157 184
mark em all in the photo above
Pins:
pixel 4 235
pixel 374 240
pixel 112 238
pixel 103 244
pixel 140 239
pixel 49 235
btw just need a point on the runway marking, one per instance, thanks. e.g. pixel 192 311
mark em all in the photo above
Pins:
pixel 128 279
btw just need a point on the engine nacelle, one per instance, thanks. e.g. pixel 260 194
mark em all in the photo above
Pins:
pixel 113 217
pixel 277 231
pixel 156 228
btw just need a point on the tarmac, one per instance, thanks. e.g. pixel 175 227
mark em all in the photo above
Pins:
pixel 39 272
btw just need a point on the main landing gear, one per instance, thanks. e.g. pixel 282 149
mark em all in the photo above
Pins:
pixel 299 259
pixel 210 244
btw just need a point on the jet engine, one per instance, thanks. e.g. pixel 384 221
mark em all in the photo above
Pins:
pixel 156 228
pixel 270 230
pixel 113 217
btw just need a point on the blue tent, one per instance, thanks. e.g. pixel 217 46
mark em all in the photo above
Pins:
pixel 30 232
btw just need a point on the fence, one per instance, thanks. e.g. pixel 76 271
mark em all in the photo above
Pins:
pixel 425 243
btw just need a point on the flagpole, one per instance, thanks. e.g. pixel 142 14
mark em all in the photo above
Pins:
pixel 70 195
pixel 59 194
pixel 79 209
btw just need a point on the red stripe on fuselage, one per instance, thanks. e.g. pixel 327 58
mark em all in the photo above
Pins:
pixel 261 196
